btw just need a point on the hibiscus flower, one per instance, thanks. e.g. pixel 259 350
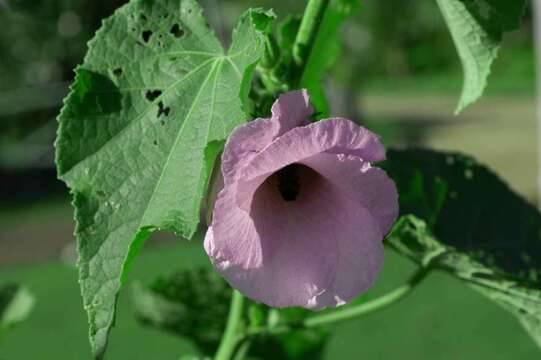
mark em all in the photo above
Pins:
pixel 302 214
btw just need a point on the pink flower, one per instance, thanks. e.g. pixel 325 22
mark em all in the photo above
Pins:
pixel 302 213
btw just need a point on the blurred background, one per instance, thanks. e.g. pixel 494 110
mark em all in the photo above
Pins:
pixel 399 74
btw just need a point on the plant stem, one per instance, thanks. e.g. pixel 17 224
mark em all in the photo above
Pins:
pixel 353 311
pixel 242 349
pixel 371 306
pixel 311 20
pixel 231 336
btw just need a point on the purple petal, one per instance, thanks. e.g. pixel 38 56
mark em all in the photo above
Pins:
pixel 335 136
pixel 320 250
pixel 292 109
pixel 370 186
pixel 302 213
pixel 360 257
pixel 289 111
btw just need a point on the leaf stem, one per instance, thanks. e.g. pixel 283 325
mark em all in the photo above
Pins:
pixel 231 338
pixel 353 311
pixel 306 36
pixel 372 306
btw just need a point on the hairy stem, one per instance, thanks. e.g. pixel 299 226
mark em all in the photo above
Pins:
pixel 231 336
pixel 304 42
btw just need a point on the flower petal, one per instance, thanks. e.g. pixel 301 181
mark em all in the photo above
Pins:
pixel 309 234
pixel 360 257
pixel 289 111
pixel 279 253
pixel 313 252
pixel 336 136
pixel 292 109
pixel 370 186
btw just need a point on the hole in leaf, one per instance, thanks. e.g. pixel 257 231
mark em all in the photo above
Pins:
pixel 162 122
pixel 163 110
pixel 155 142
pixel 151 95
pixel 177 31
pixel 117 72
pixel 146 35
pixel 143 17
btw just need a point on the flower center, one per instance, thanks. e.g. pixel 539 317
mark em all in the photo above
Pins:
pixel 289 182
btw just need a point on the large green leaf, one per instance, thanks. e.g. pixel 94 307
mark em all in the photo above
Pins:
pixel 326 50
pixel 16 303
pixel 477 28
pixel 155 88
pixel 459 216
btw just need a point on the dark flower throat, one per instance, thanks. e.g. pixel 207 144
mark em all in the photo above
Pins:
pixel 288 180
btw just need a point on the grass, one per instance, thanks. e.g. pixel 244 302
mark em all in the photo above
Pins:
pixel 513 73
pixel 57 327
pixel 499 131
pixel 443 319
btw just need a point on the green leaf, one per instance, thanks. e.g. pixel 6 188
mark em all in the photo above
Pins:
pixel 477 28
pixel 287 32
pixel 293 345
pixel 326 50
pixel 460 217
pixel 297 343
pixel 189 303
pixel 155 88
pixel 16 303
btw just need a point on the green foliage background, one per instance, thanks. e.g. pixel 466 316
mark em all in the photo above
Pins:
pixel 43 42
pixel 402 57
pixel 441 320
